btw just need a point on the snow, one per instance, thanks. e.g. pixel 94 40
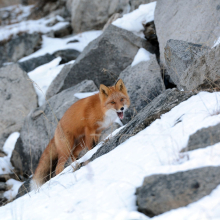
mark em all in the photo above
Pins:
pixel 43 75
pixel 82 95
pixel 134 21
pixel 5 164
pixel 17 13
pixel 14 186
pixel 51 45
pixel 142 55
pixel 30 27
pixel 217 42
pixel 105 188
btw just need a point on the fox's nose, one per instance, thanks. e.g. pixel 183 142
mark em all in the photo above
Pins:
pixel 122 108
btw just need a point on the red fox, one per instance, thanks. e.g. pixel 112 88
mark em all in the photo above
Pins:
pixel 81 125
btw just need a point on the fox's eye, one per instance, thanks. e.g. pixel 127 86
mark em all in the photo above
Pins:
pixel 113 102
pixel 121 99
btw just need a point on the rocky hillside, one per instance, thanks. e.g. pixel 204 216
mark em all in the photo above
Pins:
pixel 162 159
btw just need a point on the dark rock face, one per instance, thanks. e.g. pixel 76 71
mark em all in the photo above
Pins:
pixel 160 105
pixel 179 55
pixel 173 21
pixel 204 72
pixel 17 99
pixel 67 55
pixel 144 83
pixel 203 138
pixel 24 188
pixel 31 64
pixel 161 193
pixel 39 127
pixel 65 31
pixel 18 47
pixel 151 36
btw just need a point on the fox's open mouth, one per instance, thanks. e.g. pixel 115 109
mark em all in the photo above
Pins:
pixel 120 115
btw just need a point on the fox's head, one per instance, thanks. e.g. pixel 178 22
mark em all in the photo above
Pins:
pixel 114 99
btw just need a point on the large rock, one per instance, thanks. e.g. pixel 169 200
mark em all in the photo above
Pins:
pixel 161 193
pixel 19 46
pixel 179 55
pixel 58 83
pixel 193 21
pixel 144 83
pixel 17 99
pixel 97 13
pixel 39 127
pixel 204 72
pixel 160 105
pixel 105 58
pixel 203 138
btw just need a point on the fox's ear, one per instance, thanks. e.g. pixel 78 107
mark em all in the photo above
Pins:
pixel 103 91
pixel 120 86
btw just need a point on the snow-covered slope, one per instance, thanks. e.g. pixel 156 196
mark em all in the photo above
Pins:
pixel 105 188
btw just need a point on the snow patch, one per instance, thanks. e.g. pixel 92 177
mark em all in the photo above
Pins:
pixel 42 77
pixel 14 186
pixel 217 42
pixel 5 164
pixel 51 45
pixel 31 26
pixel 82 95
pixel 142 55
pixel 17 13
pixel 134 21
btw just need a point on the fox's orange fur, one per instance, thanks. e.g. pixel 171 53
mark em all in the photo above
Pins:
pixel 80 126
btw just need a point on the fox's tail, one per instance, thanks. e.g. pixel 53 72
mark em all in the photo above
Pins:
pixel 45 165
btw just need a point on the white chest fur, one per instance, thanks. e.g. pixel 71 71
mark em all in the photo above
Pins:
pixel 110 117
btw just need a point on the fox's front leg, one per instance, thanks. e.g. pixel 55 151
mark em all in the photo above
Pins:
pixel 89 137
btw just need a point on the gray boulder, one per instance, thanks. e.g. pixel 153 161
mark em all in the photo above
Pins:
pixel 193 21
pixel 144 83
pixel 97 13
pixel 58 83
pixel 179 55
pixel 105 58
pixel 204 72
pixel 203 138
pixel 17 99
pixel 19 46
pixel 161 193
pixel 39 127
pixel 160 105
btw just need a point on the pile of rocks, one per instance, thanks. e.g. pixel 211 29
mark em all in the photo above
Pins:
pixel 181 56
